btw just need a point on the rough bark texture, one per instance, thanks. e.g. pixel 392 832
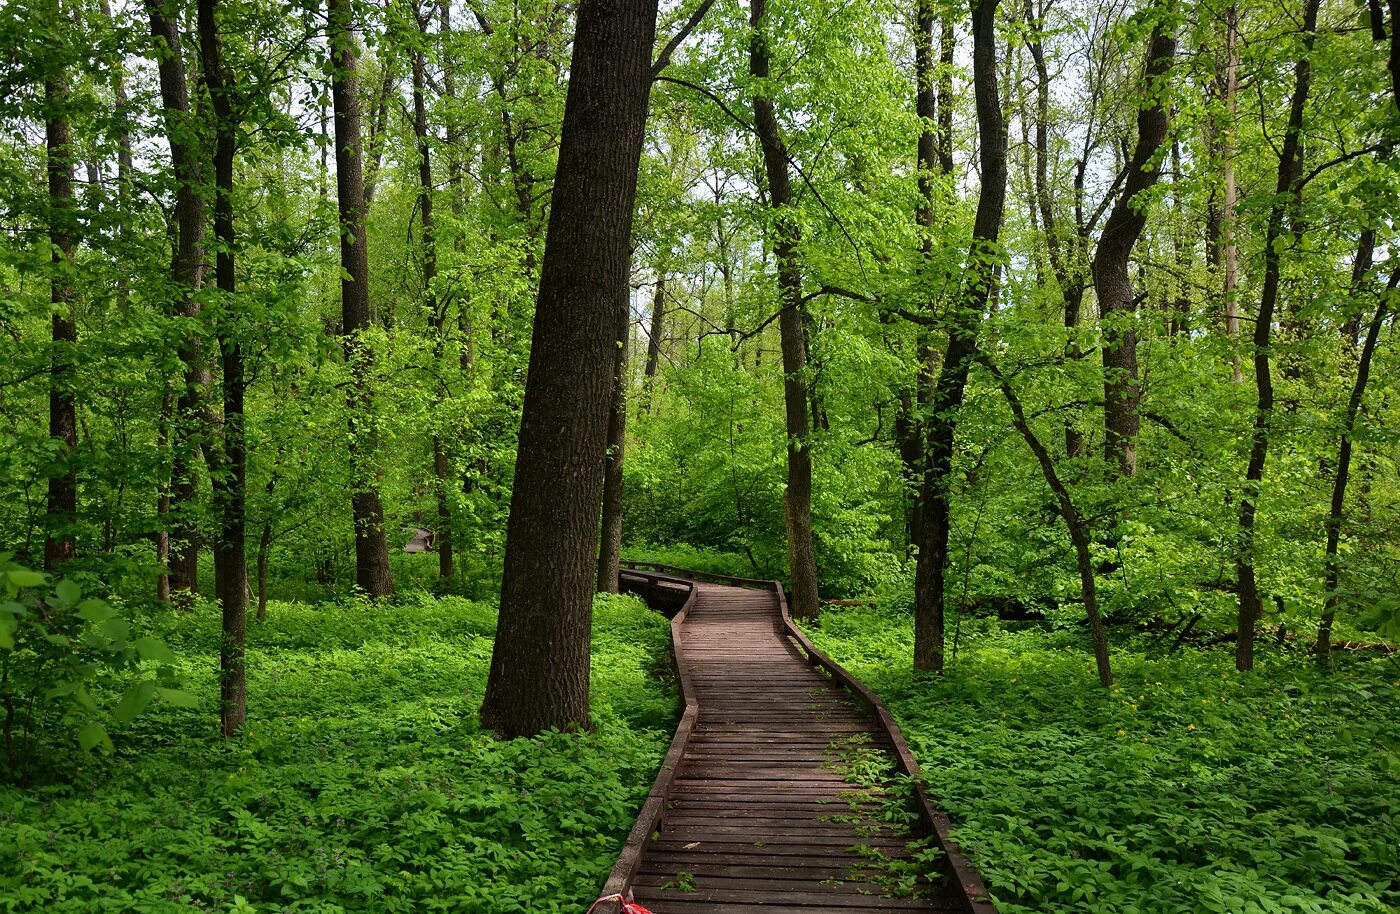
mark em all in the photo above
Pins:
pixel 371 548
pixel 1112 284
pixel 947 396
pixel 610 553
pixel 230 486
pixel 187 273
pixel 797 499
pixel 62 504
pixel 1288 193
pixel 539 667
pixel 1333 567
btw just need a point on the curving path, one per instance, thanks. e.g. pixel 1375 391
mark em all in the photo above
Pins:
pixel 750 813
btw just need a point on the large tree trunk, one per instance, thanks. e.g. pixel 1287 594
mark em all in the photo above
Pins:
pixel 539 667
pixel 1288 194
pixel 437 310
pixel 187 271
pixel 610 553
pixel 1112 284
pixel 947 396
pixel 797 499
pixel 371 548
pixel 230 486
pixel 1333 565
pixel 62 505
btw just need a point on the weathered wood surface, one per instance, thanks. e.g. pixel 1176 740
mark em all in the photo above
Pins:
pixel 750 811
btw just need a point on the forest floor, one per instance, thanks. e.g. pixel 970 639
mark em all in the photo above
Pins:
pixel 1186 788
pixel 363 782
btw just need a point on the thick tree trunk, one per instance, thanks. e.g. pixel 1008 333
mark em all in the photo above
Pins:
pixel 371 547
pixel 1112 284
pixel 797 500
pixel 230 486
pixel 61 506
pixel 437 310
pixel 610 553
pixel 947 396
pixel 539 667
pixel 187 271
pixel 1288 195
pixel 1337 514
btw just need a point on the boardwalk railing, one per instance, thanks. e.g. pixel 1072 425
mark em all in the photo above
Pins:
pixel 656 578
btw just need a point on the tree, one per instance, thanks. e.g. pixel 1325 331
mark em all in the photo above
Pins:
pixel 785 236
pixel 540 663
pixel 1287 196
pixel 1112 285
pixel 371 546
pixel 940 429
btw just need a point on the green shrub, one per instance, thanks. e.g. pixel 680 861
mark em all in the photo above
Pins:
pixel 363 782
pixel 1187 788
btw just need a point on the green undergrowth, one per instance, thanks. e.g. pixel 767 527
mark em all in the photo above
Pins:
pixel 363 782
pixel 1187 788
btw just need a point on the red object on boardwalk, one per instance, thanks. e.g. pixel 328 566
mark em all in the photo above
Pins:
pixel 626 905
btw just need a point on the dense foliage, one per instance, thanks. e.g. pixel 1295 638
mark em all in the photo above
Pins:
pixel 1187 787
pixel 363 784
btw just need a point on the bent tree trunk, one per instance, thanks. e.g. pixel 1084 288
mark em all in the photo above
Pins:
pixel 941 426
pixel 610 554
pixel 1288 194
pixel 540 663
pixel 1112 284
pixel 62 504
pixel 371 548
pixel 797 499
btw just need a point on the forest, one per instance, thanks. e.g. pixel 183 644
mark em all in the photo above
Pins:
pixel 352 353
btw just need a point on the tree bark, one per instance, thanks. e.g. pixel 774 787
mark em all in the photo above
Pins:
pixel 437 310
pixel 1112 284
pixel 658 324
pixel 1229 220
pixel 540 663
pixel 371 547
pixel 797 499
pixel 947 395
pixel 61 506
pixel 230 486
pixel 1074 522
pixel 1288 194
pixel 1337 513
pixel 610 554
pixel 187 272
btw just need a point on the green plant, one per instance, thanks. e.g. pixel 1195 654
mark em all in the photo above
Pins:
pixel 62 655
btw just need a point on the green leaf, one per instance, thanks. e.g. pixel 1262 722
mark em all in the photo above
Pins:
pixel 92 735
pixel 67 592
pixel 153 649
pixel 95 610
pixel 23 577
pixel 115 629
pixel 178 697
pixel 7 633
pixel 134 701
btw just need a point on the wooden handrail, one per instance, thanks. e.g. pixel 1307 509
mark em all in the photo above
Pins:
pixel 625 870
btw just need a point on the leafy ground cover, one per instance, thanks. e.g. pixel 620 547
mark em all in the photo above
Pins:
pixel 363 782
pixel 1187 788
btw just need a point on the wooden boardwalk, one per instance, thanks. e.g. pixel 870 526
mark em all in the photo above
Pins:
pixel 753 810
